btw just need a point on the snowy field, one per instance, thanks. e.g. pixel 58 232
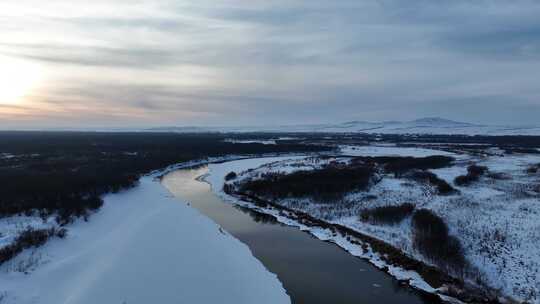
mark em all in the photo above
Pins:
pixel 496 219
pixel 271 141
pixel 143 246
pixel 391 150
pixel 216 178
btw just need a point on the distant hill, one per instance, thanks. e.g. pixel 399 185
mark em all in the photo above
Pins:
pixel 428 125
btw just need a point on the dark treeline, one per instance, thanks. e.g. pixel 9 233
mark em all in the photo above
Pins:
pixel 513 150
pixel 65 173
pixel 399 165
pixel 509 142
pixel 334 180
pixel 326 184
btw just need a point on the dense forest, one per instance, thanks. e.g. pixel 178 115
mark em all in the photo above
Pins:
pixel 66 173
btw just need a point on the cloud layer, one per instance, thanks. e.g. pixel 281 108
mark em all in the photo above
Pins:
pixel 141 63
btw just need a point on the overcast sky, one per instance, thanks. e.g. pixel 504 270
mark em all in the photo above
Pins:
pixel 127 63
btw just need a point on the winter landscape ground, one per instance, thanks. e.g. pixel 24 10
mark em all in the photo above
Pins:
pixel 142 247
pixel 241 152
pixel 455 216
pixel 495 217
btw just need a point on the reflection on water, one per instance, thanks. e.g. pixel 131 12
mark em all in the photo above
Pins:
pixel 312 271
pixel 258 217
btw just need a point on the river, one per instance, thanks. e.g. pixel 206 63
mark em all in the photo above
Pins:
pixel 312 271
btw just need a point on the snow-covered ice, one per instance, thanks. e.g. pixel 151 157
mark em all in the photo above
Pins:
pixel 143 246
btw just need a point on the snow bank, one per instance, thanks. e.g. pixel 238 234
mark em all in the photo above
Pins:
pixel 142 247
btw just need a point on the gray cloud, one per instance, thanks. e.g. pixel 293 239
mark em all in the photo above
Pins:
pixel 292 61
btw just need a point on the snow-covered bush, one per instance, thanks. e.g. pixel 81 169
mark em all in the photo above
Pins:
pixel 29 238
pixel 473 174
pixel 425 176
pixel 230 176
pixel 533 169
pixel 431 239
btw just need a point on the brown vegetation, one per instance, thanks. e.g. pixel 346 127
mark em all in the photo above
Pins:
pixel 387 214
pixel 473 174
pixel 27 239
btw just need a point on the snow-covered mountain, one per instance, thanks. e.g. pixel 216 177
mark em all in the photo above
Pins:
pixel 429 125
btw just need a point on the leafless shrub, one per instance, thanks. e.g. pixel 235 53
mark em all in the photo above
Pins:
pixel 29 238
pixel 533 169
pixel 473 174
pixel 3 296
pixel 431 239
pixel 387 214
pixel 499 175
pixel 425 176
pixel 230 176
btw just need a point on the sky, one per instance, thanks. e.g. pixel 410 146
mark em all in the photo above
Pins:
pixel 128 63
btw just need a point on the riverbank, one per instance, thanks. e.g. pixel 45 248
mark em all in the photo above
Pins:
pixel 310 270
pixel 143 246
pixel 415 273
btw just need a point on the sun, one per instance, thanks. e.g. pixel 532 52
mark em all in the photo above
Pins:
pixel 17 79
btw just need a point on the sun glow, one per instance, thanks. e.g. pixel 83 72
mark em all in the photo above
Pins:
pixel 17 79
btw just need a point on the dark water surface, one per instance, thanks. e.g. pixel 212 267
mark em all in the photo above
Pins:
pixel 312 271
